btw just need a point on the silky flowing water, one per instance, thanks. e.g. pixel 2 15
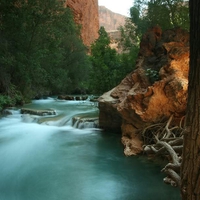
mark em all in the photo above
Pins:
pixel 46 158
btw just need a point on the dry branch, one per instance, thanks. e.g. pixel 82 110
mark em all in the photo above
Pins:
pixel 166 140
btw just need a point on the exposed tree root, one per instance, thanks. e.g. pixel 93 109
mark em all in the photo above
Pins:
pixel 163 139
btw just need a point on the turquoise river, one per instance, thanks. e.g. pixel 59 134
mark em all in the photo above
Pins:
pixel 49 158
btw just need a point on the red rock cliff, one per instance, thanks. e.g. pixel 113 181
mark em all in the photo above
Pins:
pixel 137 102
pixel 110 20
pixel 86 14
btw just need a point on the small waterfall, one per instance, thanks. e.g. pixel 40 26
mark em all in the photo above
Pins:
pixel 81 114
pixel 29 118
pixel 85 122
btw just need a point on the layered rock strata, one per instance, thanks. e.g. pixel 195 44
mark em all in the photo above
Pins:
pixel 155 90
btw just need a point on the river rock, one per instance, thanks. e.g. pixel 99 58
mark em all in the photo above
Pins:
pixel 72 98
pixel 6 112
pixel 65 97
pixel 143 98
pixel 38 112
pixel 78 98
pixel 85 122
pixel 84 98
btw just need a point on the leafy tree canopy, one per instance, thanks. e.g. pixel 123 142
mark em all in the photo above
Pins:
pixel 146 13
pixel 41 50
pixel 165 13
pixel 108 67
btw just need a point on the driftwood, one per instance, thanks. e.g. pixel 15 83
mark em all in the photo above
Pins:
pixel 162 139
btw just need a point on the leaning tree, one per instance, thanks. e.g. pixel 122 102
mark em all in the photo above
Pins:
pixel 190 170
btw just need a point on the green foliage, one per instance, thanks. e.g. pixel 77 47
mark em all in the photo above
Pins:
pixel 11 100
pixel 104 64
pixel 129 39
pixel 129 43
pixel 108 68
pixel 127 61
pixel 167 14
pixel 153 75
pixel 4 101
pixel 147 13
pixel 41 50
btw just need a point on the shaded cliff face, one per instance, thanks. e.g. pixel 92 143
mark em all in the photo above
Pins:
pixel 86 14
pixel 139 101
pixel 110 20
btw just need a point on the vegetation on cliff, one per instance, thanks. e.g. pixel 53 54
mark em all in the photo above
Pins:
pixel 108 67
pixel 144 14
pixel 167 14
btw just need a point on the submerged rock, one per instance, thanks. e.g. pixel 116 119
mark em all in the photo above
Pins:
pixel 156 89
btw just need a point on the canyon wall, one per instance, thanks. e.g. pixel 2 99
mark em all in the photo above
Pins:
pixel 154 91
pixel 86 14
pixel 110 20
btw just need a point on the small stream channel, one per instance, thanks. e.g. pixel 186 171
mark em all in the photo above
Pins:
pixel 46 158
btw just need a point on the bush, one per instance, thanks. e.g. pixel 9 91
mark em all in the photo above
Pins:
pixel 4 101
pixel 153 75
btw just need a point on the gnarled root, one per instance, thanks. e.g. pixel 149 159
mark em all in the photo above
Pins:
pixel 166 140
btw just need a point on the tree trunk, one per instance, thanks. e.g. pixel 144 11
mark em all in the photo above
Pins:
pixel 190 169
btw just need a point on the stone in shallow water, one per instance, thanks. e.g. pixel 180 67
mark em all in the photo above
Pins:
pixel 6 112
pixel 85 122
pixel 38 112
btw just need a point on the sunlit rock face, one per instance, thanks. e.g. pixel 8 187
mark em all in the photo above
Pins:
pixel 155 90
pixel 86 14
pixel 109 20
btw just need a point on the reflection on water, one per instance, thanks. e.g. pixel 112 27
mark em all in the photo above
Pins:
pixel 59 162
